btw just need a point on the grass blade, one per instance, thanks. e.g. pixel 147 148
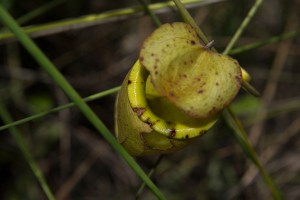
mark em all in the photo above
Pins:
pixel 95 19
pixel 150 173
pixel 243 26
pixel 153 16
pixel 39 11
pixel 26 152
pixel 261 43
pixel 59 108
pixel 48 66
pixel 240 135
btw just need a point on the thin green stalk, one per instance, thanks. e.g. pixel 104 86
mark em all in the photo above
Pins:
pixel 154 18
pixel 151 172
pixel 250 89
pixel 39 11
pixel 243 26
pixel 261 43
pixel 93 19
pixel 4 114
pixel 241 136
pixel 274 110
pixel 48 66
pixel 59 108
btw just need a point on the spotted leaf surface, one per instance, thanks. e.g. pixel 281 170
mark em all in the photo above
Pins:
pixel 199 82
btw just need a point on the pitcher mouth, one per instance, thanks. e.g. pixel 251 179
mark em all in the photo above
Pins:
pixel 137 98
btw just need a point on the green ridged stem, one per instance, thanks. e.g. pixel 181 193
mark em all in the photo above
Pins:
pixel 59 108
pixel 48 66
pixel 4 114
pixel 92 19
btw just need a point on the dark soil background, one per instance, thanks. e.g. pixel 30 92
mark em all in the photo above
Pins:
pixel 79 164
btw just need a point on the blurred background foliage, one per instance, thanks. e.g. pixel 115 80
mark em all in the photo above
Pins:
pixel 79 164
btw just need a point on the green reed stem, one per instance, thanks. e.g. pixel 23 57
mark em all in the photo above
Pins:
pixel 261 43
pixel 39 11
pixel 92 19
pixel 153 16
pixel 59 108
pixel 150 173
pixel 240 135
pixel 4 114
pixel 243 26
pixel 48 66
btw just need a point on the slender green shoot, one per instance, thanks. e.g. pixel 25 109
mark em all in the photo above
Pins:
pixel 240 135
pixel 151 172
pixel 39 11
pixel 59 108
pixel 48 66
pixel 243 26
pixel 264 42
pixel 94 19
pixel 153 16
pixel 250 89
pixel 4 114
